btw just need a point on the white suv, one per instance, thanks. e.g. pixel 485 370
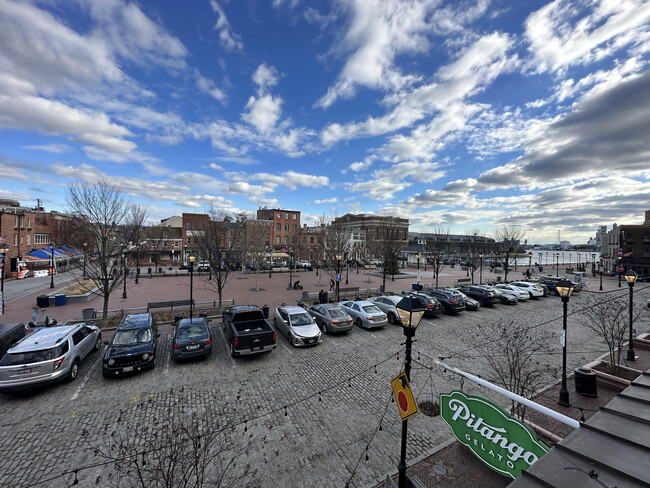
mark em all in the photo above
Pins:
pixel 533 289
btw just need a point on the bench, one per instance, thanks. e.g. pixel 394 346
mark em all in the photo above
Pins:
pixel 348 290
pixel 463 281
pixel 170 304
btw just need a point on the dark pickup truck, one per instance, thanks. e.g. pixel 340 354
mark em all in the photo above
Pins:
pixel 9 335
pixel 247 331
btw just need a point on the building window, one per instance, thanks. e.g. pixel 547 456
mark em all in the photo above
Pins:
pixel 279 215
pixel 286 239
pixel 188 226
pixel 188 241
pixel 278 227
pixel 311 240
pixel 177 243
pixel 286 216
pixel 268 231
pixel 42 239
pixel 277 240
pixel 286 227
pixel 164 233
pixel 164 243
pixel 28 239
pixel 15 239
pixel 294 239
pixel 295 216
pixel 29 223
pixel 295 228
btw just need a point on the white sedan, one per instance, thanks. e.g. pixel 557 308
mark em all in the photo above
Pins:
pixel 533 289
pixel 520 293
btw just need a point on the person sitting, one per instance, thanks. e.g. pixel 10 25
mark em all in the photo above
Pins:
pixel 297 285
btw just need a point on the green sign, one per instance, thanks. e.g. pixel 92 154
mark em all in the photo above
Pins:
pixel 492 434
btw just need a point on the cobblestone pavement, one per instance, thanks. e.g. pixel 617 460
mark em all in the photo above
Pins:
pixel 335 393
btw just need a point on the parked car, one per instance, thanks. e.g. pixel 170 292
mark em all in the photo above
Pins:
pixel 132 347
pixel 451 300
pixel 191 338
pixel 470 303
pixel 485 296
pixel 365 314
pixel 533 289
pixel 10 334
pixel 506 297
pixel 48 355
pixel 297 325
pixel 247 331
pixel 331 318
pixel 303 264
pixel 203 266
pixel 520 293
pixel 432 306
pixel 387 305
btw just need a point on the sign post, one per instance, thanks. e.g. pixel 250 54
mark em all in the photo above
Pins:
pixel 404 396
pixel 495 437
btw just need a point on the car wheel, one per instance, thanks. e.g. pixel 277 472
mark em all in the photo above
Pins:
pixel 323 327
pixel 391 318
pixel 359 323
pixel 232 350
pixel 98 343
pixel 74 370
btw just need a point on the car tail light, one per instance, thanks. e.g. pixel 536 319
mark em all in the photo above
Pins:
pixel 236 342
pixel 57 363
pixel 208 342
pixel 372 319
pixel 452 302
pixel 176 347
pixel 275 337
pixel 334 322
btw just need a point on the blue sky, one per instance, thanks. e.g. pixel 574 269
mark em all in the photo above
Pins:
pixel 464 114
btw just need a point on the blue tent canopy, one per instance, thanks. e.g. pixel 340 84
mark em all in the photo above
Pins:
pixel 39 253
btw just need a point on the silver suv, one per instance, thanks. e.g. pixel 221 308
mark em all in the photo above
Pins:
pixel 48 355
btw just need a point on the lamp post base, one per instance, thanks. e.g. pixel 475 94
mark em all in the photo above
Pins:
pixel 631 356
pixel 564 397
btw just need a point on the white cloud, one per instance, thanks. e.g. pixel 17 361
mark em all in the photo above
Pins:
pixel 265 77
pixel 263 113
pixel 326 201
pixel 53 148
pixel 228 38
pixel 384 183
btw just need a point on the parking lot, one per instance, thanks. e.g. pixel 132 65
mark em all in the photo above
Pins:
pixel 306 415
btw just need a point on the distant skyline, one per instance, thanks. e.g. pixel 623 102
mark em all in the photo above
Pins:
pixel 466 114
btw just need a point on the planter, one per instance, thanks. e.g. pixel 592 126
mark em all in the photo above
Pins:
pixel 607 377
pixel 642 341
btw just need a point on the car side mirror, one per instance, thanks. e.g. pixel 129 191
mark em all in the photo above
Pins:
pixel 106 342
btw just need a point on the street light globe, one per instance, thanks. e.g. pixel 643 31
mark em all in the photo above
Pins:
pixel 530 254
pixel 630 277
pixel 410 312
pixel 192 258
pixel 564 288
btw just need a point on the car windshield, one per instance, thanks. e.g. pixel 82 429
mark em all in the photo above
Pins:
pixel 370 309
pixel 34 356
pixel 301 319
pixel 338 313
pixel 192 332
pixel 132 336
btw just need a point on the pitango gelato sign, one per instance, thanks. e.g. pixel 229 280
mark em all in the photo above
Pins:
pixel 495 437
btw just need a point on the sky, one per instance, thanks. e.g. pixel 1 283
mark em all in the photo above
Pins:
pixel 468 115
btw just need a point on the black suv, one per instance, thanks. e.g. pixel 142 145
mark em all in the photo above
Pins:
pixel 451 300
pixel 432 307
pixel 486 298
pixel 133 346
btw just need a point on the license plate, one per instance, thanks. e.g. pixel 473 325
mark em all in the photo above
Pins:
pixel 192 348
pixel 24 371
pixel 127 369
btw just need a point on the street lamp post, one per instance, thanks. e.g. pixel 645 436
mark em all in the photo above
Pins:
pixel 270 264
pixel 52 245
pixel 338 275
pixel 557 264
pixel 540 259
pixel 290 270
pixel 593 263
pixel 347 268
pixel 124 270
pixel 85 257
pixel 191 258
pixel 480 273
pixel 631 277
pixel 620 264
pixel 600 270
pixel 530 263
pixel 564 288
pixel 3 250
pixel 137 258
pixel 410 314
pixel 417 256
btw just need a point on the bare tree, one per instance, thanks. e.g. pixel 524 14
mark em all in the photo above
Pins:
pixel 436 247
pixel 177 448
pixel 508 241
pixel 610 320
pixel 257 249
pixel 334 247
pixel 386 245
pixel 472 250
pixel 512 358
pixel 101 208
pixel 224 243
pixel 133 231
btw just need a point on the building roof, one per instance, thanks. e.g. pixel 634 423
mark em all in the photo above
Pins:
pixel 614 445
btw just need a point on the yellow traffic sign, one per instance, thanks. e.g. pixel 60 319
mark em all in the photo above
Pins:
pixel 404 396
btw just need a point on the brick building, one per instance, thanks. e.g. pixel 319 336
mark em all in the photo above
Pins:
pixel 366 228
pixel 631 243
pixel 285 229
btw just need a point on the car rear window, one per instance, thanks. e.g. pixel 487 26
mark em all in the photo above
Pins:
pixel 192 332
pixel 372 309
pixel 337 312
pixel 34 356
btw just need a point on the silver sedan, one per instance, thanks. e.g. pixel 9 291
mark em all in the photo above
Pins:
pixel 331 318
pixel 387 305
pixel 365 314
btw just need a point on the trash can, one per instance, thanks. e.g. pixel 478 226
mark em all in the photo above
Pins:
pixel 88 313
pixel 178 317
pixel 149 270
pixel 59 300
pixel 585 379
pixel 305 295
pixel 42 301
pixel 265 311
pixel 381 288
pixel 326 298
pixel 203 314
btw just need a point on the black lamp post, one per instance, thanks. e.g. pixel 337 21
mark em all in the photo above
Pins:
pixel 593 263
pixel 620 261
pixel 564 288
pixel 530 263
pixel 557 264
pixel 290 270
pixel 52 245
pixel 480 273
pixel 600 270
pixel 347 267
pixel 417 256
pixel 540 258
pixel 124 270
pixel 338 275
pixel 137 258
pixel 191 259
pixel 270 264
pixel 3 250
pixel 410 314
pixel 210 264
pixel 85 257
pixel 631 277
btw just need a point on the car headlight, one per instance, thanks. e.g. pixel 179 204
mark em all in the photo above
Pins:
pixel 145 356
pixel 111 362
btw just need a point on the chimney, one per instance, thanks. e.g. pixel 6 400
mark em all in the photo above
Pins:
pixel 647 218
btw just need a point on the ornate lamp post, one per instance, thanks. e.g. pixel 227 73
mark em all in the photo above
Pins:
pixel 540 259
pixel 347 267
pixel 480 274
pixel 631 277
pixel 52 246
pixel 620 264
pixel 290 269
pixel 557 264
pixel 564 288
pixel 191 259
pixel 593 262
pixel 137 258
pixel 270 263
pixel 530 262
pixel 417 256
pixel 3 250
pixel 338 275
pixel 85 257
pixel 410 314
pixel 600 270
pixel 124 270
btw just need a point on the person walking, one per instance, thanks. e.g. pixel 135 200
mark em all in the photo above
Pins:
pixel 331 284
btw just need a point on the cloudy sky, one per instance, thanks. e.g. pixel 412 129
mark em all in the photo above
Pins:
pixel 467 114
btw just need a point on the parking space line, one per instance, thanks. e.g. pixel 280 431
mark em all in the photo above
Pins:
pixel 100 354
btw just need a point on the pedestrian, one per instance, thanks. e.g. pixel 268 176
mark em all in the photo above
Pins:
pixel 331 284
pixel 321 296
